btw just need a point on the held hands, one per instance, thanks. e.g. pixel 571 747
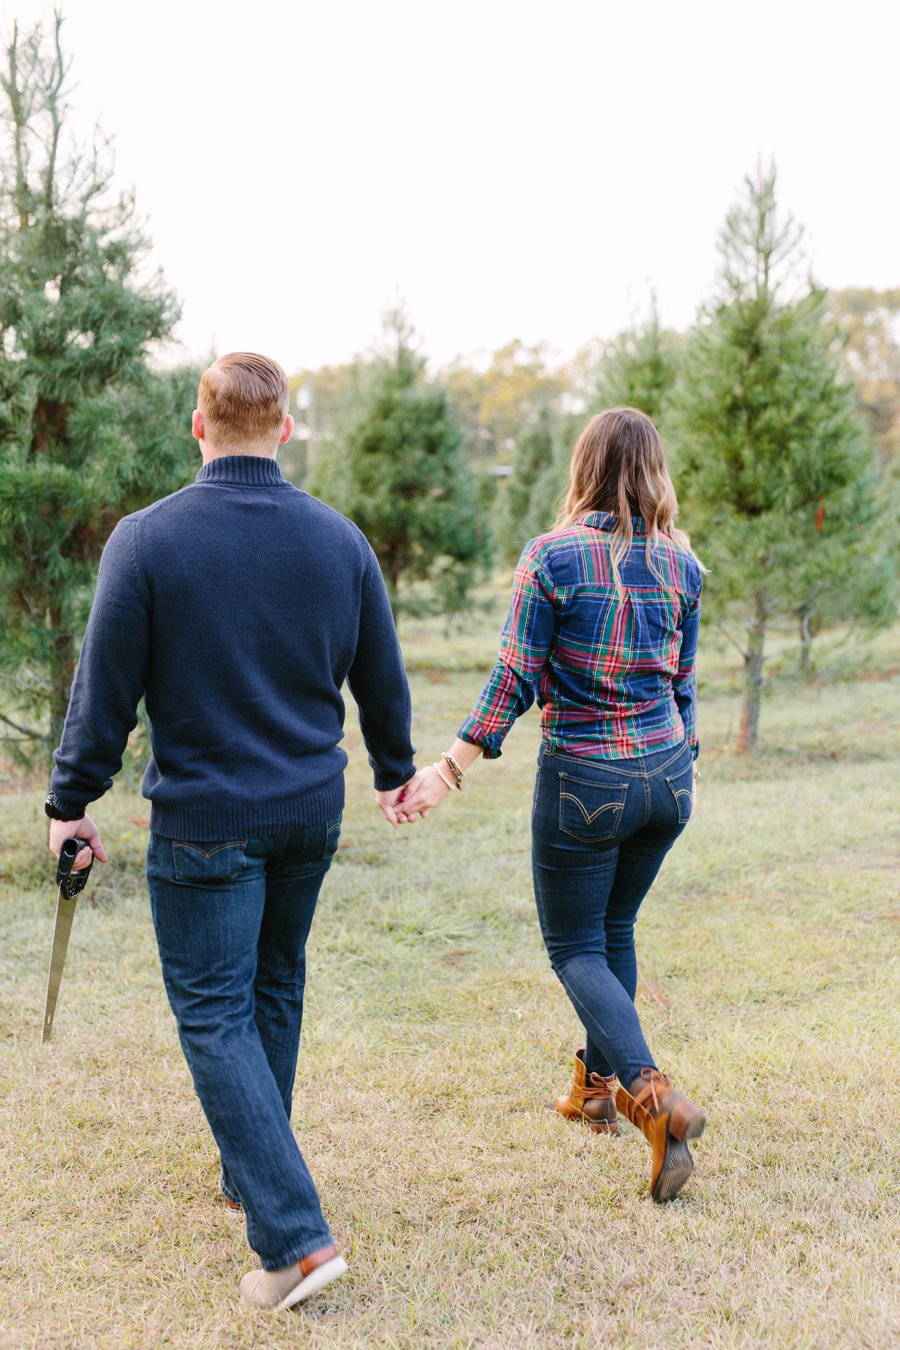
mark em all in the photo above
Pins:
pixel 404 805
pixel 426 791
pixel 61 830
pixel 428 788
pixel 387 803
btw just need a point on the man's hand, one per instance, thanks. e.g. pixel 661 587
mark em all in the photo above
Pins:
pixel 61 830
pixel 388 801
pixel 423 794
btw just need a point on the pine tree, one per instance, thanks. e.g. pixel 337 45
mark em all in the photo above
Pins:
pixel 395 466
pixel 522 513
pixel 638 368
pixel 86 430
pixel 775 475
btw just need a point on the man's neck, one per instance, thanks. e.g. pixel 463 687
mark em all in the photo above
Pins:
pixel 209 452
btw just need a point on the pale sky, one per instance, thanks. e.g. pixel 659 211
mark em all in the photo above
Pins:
pixel 512 168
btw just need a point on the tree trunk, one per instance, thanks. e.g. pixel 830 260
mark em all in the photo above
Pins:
pixel 754 658
pixel 810 627
pixel 805 642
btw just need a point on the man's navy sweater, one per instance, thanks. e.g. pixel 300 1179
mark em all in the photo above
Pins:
pixel 237 607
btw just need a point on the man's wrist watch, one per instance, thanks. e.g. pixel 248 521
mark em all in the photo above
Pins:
pixel 57 812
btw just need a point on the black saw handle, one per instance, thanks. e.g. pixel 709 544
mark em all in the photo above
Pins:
pixel 72 883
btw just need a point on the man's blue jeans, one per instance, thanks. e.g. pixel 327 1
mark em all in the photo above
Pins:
pixel 231 922
pixel 600 832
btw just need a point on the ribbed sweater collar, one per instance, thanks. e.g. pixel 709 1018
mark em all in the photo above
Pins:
pixel 242 471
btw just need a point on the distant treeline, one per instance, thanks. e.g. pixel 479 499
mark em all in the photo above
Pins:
pixel 520 412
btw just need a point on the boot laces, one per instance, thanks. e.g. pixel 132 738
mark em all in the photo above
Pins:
pixel 656 1079
pixel 598 1088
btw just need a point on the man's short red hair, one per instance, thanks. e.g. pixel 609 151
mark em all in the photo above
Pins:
pixel 244 399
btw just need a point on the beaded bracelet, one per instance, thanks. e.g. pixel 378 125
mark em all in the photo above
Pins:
pixel 444 779
pixel 454 768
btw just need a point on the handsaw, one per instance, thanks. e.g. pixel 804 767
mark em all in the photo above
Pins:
pixel 69 886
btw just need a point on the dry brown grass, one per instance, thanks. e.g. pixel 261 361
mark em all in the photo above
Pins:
pixel 436 1040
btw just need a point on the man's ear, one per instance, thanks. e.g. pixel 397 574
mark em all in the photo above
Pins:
pixel 287 429
pixel 198 429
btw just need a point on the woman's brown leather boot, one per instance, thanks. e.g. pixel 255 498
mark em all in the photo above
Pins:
pixel 667 1120
pixel 590 1099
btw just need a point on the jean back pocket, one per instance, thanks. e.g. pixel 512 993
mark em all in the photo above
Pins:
pixel 213 861
pixel 590 811
pixel 681 786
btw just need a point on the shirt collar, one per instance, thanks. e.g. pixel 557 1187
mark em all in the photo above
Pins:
pixel 605 520
pixel 243 470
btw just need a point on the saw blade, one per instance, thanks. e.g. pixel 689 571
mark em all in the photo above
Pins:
pixel 65 913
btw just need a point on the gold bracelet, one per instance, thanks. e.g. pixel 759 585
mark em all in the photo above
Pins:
pixel 446 782
pixel 454 768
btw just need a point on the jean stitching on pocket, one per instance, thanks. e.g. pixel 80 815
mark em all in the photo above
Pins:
pixel 189 862
pixel 615 807
pixel 332 830
pixel 195 848
pixel 678 793
pixel 590 817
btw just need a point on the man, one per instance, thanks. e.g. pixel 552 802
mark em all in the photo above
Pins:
pixel 237 607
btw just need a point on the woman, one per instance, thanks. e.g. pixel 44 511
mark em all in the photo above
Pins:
pixel 602 629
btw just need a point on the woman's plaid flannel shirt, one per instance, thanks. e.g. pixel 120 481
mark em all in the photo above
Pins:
pixel 614 674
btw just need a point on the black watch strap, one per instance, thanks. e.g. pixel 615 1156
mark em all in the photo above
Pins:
pixel 58 810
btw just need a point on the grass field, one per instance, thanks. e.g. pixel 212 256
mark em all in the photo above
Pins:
pixel 436 1039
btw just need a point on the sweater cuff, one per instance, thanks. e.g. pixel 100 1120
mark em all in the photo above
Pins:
pixel 388 782
pixel 74 810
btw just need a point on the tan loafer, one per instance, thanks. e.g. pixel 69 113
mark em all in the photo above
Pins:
pixel 291 1285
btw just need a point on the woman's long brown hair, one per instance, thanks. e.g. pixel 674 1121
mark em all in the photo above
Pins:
pixel 619 465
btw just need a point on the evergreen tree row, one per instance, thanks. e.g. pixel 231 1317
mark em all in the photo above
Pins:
pixel 781 407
